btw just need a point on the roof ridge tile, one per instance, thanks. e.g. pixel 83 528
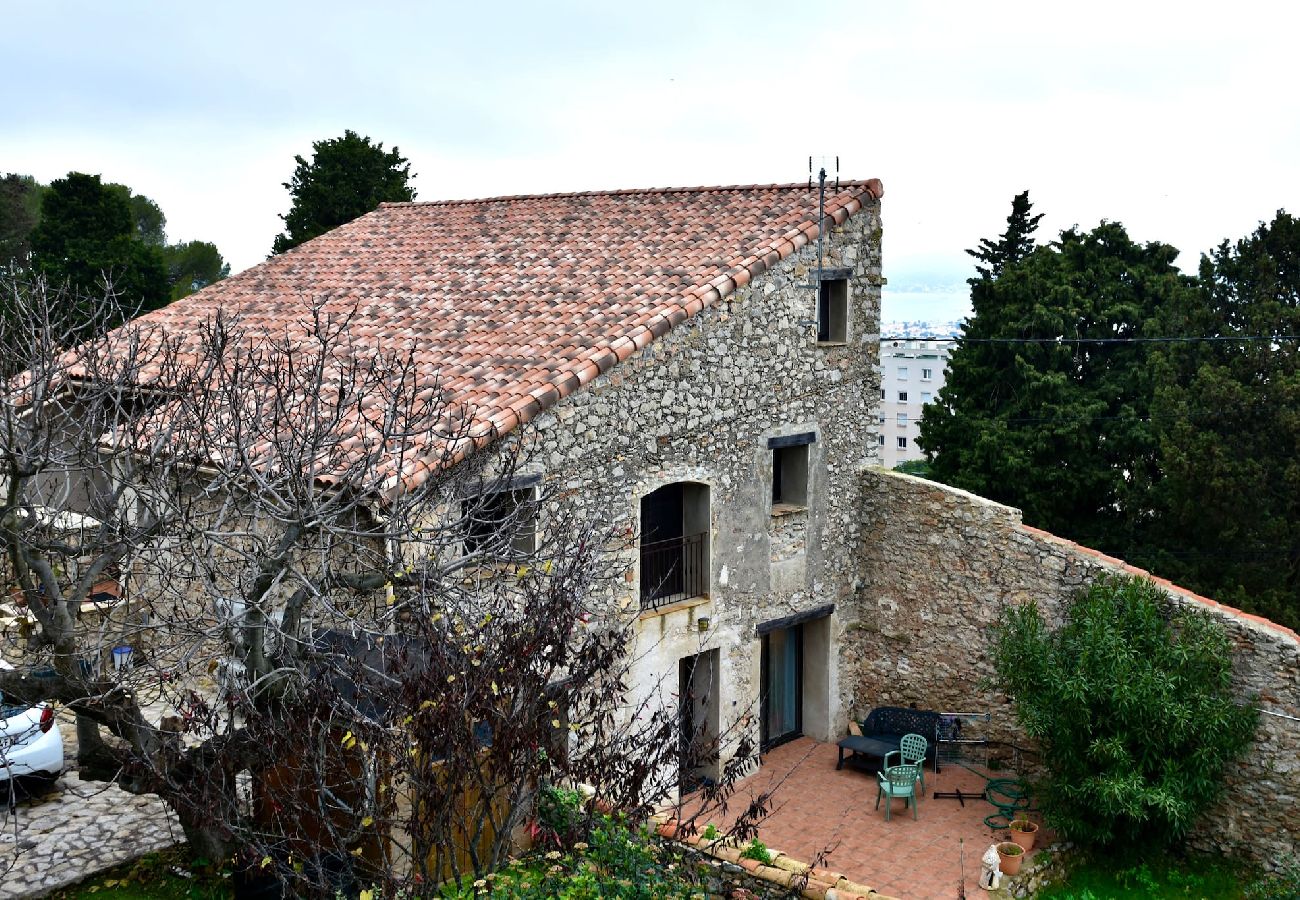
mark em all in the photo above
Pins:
pixel 623 192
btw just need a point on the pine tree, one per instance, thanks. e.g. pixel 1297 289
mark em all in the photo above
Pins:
pixel 1016 243
pixel 346 178
pixel 1057 428
pixel 1228 505
pixel 87 234
pixel 20 211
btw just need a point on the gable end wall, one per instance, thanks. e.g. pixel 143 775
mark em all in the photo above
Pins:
pixel 699 404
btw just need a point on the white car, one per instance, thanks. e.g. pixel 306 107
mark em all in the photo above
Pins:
pixel 30 743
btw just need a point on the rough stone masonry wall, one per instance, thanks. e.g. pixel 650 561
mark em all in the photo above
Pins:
pixel 939 564
pixel 699 404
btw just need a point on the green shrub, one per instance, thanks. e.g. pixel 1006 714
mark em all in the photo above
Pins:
pixel 559 813
pixel 710 832
pixel 619 862
pixel 918 467
pixel 757 850
pixel 1130 701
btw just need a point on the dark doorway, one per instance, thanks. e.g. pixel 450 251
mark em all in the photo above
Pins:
pixel 697 692
pixel 782 686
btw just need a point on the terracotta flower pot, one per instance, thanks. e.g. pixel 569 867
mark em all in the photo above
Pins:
pixel 1024 833
pixel 1010 856
pixel 106 590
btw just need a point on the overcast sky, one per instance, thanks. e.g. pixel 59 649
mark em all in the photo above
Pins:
pixel 1180 120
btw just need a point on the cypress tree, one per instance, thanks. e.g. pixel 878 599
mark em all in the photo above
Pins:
pixel 1057 428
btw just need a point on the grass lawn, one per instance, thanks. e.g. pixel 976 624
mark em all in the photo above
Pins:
pixel 168 875
pixel 1197 878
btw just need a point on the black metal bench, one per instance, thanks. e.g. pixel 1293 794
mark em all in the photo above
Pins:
pixel 883 730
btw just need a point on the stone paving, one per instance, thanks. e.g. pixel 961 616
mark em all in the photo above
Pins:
pixel 818 810
pixel 76 829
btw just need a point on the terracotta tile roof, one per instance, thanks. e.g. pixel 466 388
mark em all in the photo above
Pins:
pixel 514 302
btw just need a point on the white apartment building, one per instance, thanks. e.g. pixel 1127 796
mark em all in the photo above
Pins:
pixel 911 372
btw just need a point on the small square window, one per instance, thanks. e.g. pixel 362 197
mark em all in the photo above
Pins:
pixel 902 373
pixel 902 419
pixel 501 524
pixel 927 374
pixel 882 393
pixel 926 397
pixel 881 419
pixel 902 443
pixel 902 396
pixel 790 476
pixel 833 311
pixel 881 439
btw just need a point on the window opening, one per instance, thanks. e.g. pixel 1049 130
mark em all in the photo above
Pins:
pixel 790 476
pixel 501 523
pixel 674 544
pixel 833 311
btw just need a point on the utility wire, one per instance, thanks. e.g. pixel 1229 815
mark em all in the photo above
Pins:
pixel 1127 340
pixel 1191 414
pixel 1147 417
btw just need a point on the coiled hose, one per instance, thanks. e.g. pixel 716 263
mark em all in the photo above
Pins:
pixel 1009 795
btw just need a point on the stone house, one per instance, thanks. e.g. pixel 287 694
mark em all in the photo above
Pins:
pixel 695 366
pixel 698 368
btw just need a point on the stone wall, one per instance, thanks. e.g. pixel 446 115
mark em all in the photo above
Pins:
pixel 699 405
pixel 939 564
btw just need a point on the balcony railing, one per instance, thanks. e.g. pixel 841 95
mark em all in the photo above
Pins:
pixel 674 570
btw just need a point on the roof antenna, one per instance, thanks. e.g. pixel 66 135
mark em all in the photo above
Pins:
pixel 820 229
pixel 821 206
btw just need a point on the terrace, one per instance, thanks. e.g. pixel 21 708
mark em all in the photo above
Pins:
pixel 820 813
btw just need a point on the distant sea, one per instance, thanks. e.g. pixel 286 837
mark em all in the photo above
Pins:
pixel 950 304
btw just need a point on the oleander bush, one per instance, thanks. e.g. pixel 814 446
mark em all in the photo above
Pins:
pixel 1131 704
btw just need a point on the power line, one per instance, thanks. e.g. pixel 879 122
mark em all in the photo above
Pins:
pixel 1193 414
pixel 1144 417
pixel 1200 339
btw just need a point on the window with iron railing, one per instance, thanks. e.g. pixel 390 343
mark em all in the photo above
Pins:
pixel 675 523
pixel 674 570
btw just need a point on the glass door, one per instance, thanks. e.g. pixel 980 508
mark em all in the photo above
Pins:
pixel 782 688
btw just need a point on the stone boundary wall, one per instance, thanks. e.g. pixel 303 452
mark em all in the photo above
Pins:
pixel 937 566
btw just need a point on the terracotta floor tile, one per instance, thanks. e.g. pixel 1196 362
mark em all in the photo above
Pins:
pixel 816 807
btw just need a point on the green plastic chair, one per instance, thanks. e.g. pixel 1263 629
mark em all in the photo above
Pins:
pixel 913 747
pixel 897 781
pixel 912 753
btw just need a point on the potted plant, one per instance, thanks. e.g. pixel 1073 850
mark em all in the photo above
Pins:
pixel 1010 856
pixel 1024 833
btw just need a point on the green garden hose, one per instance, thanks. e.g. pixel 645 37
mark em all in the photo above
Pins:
pixel 1009 795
